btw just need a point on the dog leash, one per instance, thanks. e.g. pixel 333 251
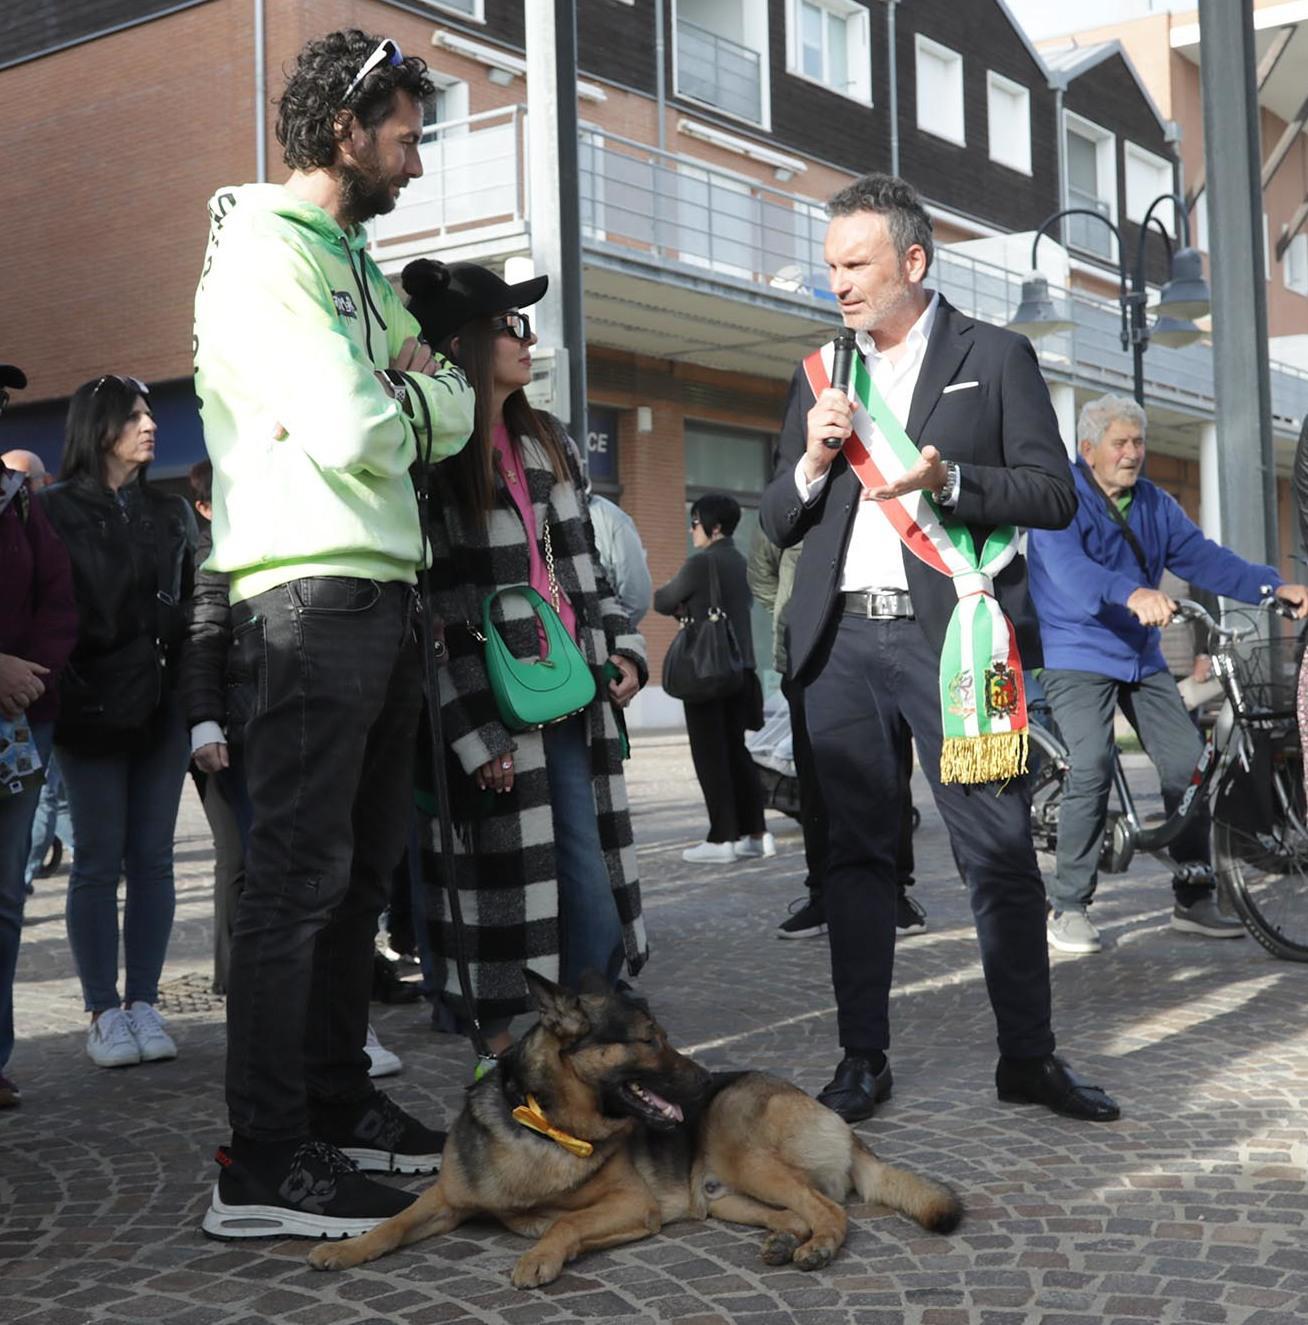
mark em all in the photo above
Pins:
pixel 435 652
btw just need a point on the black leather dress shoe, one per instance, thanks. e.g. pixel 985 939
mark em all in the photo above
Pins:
pixel 1049 1081
pixel 856 1090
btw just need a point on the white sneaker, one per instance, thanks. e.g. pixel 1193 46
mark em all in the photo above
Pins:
pixel 381 1061
pixel 147 1025
pixel 110 1042
pixel 710 853
pixel 749 847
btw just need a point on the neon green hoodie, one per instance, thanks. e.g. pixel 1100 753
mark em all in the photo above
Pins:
pixel 310 453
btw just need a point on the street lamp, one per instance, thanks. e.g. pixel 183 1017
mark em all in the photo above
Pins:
pixel 1183 297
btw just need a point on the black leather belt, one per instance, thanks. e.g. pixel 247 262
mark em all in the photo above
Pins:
pixel 877 604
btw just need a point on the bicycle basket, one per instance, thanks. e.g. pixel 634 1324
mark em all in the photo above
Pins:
pixel 1268 675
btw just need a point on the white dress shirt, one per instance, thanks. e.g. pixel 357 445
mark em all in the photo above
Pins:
pixel 874 558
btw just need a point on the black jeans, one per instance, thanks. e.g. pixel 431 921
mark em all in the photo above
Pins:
pixel 872 679
pixel 329 764
pixel 727 775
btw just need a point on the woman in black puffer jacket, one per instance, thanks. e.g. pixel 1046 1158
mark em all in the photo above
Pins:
pixel 121 739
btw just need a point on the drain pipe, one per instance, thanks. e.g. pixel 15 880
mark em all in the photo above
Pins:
pixel 260 98
pixel 660 92
pixel 894 87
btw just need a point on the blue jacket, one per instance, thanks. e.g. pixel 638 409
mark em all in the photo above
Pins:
pixel 1082 576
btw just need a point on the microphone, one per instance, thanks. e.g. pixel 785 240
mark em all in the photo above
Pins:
pixel 842 367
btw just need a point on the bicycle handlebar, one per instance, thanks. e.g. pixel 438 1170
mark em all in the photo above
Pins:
pixel 1188 610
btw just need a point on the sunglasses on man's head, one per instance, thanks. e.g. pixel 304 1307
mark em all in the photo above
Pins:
pixel 387 52
pixel 131 382
pixel 517 325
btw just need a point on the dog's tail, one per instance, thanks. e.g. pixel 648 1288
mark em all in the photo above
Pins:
pixel 930 1203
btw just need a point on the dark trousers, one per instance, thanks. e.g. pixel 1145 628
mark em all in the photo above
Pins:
pixel 1083 704
pixel 329 768
pixel 726 773
pixel 873 678
pixel 812 810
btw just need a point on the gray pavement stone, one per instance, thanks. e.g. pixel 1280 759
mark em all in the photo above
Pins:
pixel 1191 1209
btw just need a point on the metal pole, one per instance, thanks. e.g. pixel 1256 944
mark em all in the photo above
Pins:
pixel 555 200
pixel 260 97
pixel 893 81
pixel 1232 153
pixel 660 89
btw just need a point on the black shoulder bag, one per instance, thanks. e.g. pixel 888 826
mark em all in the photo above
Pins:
pixel 704 661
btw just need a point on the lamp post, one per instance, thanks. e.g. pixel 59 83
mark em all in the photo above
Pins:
pixel 1184 296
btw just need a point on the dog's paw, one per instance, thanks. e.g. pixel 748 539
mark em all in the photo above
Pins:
pixel 779 1248
pixel 535 1269
pixel 815 1254
pixel 330 1256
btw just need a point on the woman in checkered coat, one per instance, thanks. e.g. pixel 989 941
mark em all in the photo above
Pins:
pixel 546 865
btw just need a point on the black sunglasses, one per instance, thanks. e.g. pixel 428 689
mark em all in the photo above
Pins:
pixel 131 382
pixel 387 52
pixel 517 325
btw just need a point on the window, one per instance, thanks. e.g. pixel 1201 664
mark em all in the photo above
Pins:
pixel 1296 264
pixel 829 41
pixel 720 56
pixel 468 8
pixel 1008 114
pixel 1148 177
pixel 939 90
pixel 1092 184
pixel 448 102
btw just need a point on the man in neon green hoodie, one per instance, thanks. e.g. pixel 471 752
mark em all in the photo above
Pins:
pixel 318 397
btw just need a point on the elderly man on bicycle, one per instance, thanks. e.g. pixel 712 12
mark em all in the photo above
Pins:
pixel 1095 587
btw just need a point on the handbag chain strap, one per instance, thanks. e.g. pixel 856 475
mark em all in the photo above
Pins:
pixel 549 568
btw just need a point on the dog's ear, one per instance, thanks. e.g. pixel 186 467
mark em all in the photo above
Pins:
pixel 560 1011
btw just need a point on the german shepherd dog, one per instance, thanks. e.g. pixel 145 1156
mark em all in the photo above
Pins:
pixel 593 1131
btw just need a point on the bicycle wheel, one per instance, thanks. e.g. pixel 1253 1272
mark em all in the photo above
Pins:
pixel 1262 861
pixel 1047 763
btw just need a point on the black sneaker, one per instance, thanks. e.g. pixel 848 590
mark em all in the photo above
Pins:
pixel 909 916
pixel 808 918
pixel 318 1193
pixel 378 1135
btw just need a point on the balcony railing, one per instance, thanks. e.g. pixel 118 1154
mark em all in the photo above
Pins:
pixel 1084 232
pixel 678 221
pixel 719 71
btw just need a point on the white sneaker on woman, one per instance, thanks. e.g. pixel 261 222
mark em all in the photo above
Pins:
pixel 148 1027
pixel 381 1061
pixel 110 1042
pixel 747 848
pixel 710 853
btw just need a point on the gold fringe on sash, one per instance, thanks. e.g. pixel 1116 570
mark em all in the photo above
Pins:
pixel 990 757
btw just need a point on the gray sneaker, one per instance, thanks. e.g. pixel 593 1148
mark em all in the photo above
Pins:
pixel 1071 931
pixel 1204 917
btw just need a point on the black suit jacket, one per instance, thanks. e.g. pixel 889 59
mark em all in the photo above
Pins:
pixel 1002 433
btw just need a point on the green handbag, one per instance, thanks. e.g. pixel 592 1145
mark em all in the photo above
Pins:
pixel 534 692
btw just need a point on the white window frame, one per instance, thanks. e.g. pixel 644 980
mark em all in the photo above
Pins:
pixel 1007 87
pixel 755 21
pixel 478 7
pixel 935 51
pixel 858 28
pixel 1105 142
pixel 1267 249
pixel 1136 207
pixel 1199 222
pixel 457 99
pixel 1295 264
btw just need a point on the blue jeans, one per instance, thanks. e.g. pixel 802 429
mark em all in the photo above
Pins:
pixel 52 819
pixel 124 814
pixel 591 930
pixel 15 823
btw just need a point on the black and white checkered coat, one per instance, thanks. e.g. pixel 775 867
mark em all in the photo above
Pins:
pixel 504 843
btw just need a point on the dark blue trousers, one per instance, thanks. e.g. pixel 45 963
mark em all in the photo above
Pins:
pixel 871 677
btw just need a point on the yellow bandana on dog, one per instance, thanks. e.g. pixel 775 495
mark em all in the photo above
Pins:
pixel 530 1115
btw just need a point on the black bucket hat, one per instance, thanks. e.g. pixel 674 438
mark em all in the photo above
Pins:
pixel 443 299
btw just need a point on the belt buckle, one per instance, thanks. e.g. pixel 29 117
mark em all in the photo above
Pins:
pixel 879 605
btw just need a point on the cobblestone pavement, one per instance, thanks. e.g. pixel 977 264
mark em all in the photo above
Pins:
pixel 1191 1209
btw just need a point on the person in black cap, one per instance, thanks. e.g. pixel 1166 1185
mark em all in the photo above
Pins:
pixel 555 890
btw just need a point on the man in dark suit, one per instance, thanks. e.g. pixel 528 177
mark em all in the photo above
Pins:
pixel 868 622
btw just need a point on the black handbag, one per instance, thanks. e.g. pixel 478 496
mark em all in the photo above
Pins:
pixel 704 661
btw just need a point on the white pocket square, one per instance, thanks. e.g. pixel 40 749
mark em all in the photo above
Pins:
pixel 958 386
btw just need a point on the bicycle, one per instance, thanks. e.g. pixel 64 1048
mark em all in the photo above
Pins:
pixel 1249 773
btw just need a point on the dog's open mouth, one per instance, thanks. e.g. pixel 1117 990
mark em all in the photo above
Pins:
pixel 650 1106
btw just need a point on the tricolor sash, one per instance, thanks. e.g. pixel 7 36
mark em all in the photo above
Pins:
pixel 982 690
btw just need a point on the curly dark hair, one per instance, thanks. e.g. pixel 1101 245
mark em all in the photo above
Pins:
pixel 315 94
pixel 895 199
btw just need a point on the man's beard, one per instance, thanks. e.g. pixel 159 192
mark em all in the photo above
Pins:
pixel 364 194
